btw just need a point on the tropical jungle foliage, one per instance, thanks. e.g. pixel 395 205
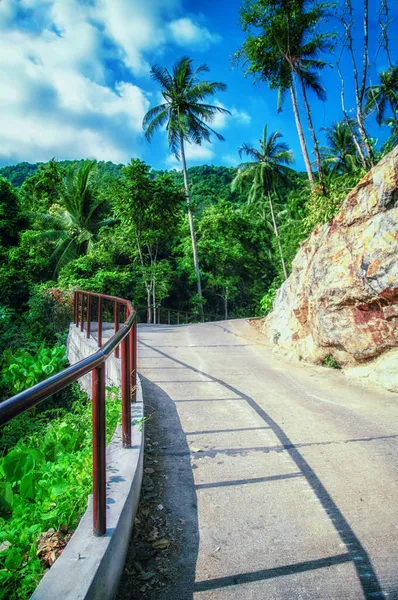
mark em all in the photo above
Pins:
pixel 45 480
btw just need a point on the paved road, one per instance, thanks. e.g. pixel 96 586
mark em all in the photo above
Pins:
pixel 284 477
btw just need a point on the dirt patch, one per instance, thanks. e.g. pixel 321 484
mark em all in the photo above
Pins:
pixel 156 540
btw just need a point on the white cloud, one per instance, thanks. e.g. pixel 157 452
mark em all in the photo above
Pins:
pixel 231 160
pixel 134 26
pixel 49 107
pixel 193 153
pixel 241 116
pixel 57 96
pixel 224 120
pixel 185 32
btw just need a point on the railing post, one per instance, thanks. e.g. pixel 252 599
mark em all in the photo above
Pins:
pixel 133 360
pixel 88 315
pixel 82 313
pixel 75 307
pixel 178 317
pixel 186 317
pixel 116 321
pixel 135 339
pixel 126 396
pixel 158 315
pixel 99 444
pixel 99 322
pixel 168 316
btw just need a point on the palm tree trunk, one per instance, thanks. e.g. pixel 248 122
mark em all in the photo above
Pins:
pixel 191 224
pixel 301 137
pixel 277 234
pixel 312 130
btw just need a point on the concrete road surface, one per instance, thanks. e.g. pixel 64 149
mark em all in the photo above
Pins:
pixel 283 476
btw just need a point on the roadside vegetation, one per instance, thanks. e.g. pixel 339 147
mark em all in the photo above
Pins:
pixel 45 480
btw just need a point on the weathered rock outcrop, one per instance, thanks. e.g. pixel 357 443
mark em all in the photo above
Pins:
pixel 341 298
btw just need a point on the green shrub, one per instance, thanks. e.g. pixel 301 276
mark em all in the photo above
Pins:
pixel 321 208
pixel 22 368
pixel 36 420
pixel 8 327
pixel 267 301
pixel 93 274
pixel 49 315
pixel 331 362
pixel 44 484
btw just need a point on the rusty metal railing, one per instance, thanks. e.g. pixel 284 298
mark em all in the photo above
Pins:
pixel 86 306
pixel 165 315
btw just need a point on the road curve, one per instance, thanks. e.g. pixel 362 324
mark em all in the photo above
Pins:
pixel 284 477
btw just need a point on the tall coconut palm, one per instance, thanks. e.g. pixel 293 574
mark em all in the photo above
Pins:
pixel 73 224
pixel 301 50
pixel 187 118
pixel 267 166
pixel 340 153
pixel 287 51
pixel 383 94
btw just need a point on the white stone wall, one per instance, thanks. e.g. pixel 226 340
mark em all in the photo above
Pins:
pixel 79 347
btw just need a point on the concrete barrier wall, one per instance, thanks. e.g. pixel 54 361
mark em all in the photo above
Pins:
pixel 78 347
pixel 90 567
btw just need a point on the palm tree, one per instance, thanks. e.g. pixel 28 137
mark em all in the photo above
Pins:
pixel 187 119
pixel 301 49
pixel 282 89
pixel 385 93
pixel 300 132
pixel 268 165
pixel 287 51
pixel 393 139
pixel 74 223
pixel 341 153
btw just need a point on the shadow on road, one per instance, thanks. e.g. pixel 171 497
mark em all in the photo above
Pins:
pixel 170 458
pixel 182 493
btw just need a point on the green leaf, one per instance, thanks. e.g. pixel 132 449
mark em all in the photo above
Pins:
pixel 58 489
pixel 19 462
pixel 13 560
pixel 27 485
pixel 6 496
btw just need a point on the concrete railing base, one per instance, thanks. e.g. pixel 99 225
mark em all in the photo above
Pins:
pixel 90 567
pixel 78 347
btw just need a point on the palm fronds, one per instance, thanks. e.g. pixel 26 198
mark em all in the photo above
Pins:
pixel 73 224
pixel 184 112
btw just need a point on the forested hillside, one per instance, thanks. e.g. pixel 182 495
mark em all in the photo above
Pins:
pixel 39 188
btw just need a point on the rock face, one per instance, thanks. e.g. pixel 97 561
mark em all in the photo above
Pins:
pixel 341 298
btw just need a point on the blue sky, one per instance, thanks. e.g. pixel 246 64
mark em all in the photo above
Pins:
pixel 75 78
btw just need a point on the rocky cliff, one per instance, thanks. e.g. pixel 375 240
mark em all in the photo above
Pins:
pixel 341 298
